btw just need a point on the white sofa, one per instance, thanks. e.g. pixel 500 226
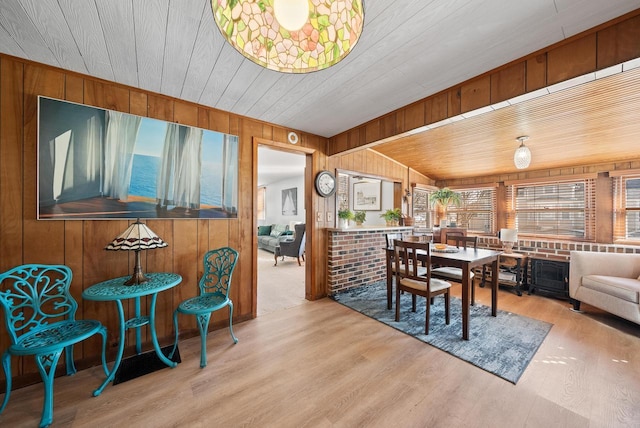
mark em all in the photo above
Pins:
pixel 608 281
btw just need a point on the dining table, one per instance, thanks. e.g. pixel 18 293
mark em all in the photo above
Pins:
pixel 465 259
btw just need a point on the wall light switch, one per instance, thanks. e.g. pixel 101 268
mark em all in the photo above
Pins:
pixel 319 216
pixel 329 217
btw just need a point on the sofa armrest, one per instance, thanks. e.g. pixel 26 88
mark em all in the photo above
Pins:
pixel 583 263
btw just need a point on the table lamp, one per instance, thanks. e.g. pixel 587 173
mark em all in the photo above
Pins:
pixel 137 237
pixel 509 238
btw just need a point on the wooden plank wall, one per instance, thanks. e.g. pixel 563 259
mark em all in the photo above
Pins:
pixel 598 48
pixel 80 243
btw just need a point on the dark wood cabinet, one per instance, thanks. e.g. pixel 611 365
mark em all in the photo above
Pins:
pixel 550 276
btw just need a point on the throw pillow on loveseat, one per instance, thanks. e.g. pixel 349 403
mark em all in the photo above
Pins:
pixel 271 239
pixel 264 230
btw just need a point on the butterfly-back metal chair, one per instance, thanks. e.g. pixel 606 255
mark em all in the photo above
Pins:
pixel 214 285
pixel 39 315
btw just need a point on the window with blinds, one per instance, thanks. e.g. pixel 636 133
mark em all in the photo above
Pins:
pixel 626 207
pixel 262 203
pixel 562 209
pixel 423 213
pixel 477 210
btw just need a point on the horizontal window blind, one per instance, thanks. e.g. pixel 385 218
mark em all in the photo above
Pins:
pixel 564 209
pixel 477 210
pixel 626 207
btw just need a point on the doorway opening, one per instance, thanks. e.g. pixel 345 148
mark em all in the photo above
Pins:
pixel 280 206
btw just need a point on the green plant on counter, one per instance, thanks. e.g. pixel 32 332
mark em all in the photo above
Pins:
pixel 360 217
pixel 392 215
pixel 346 214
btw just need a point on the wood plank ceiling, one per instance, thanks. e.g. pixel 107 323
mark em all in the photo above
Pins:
pixel 594 122
pixel 410 49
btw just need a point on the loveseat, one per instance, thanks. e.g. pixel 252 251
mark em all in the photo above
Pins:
pixel 608 281
pixel 269 237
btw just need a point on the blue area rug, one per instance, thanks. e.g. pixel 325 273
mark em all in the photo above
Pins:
pixel 502 345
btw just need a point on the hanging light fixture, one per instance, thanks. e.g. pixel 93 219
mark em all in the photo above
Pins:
pixel 522 156
pixel 291 36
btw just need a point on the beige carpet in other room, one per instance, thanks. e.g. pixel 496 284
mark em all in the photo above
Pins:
pixel 279 287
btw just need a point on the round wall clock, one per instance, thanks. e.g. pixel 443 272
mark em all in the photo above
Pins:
pixel 325 183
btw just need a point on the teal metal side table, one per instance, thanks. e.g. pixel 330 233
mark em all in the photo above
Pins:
pixel 115 290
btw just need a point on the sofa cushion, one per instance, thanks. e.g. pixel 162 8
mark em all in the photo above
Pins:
pixel 623 288
pixel 278 229
pixel 264 230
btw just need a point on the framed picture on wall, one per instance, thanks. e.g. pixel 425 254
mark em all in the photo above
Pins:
pixel 102 164
pixel 290 201
pixel 366 196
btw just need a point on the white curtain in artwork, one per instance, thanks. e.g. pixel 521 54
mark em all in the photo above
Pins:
pixel 179 177
pixel 92 149
pixel 187 179
pixel 164 188
pixel 120 139
pixel 230 174
pixel 76 161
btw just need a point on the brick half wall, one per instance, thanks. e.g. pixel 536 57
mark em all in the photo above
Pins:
pixel 357 257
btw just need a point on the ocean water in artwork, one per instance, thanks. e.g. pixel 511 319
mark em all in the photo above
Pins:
pixel 144 177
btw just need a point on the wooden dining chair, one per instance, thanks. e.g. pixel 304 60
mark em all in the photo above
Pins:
pixel 416 238
pixel 454 273
pixel 412 279
pixel 392 266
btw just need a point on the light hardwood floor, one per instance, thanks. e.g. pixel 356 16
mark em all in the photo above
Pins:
pixel 323 365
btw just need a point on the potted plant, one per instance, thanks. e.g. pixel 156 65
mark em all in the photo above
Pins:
pixel 360 217
pixel 392 216
pixel 345 216
pixel 444 197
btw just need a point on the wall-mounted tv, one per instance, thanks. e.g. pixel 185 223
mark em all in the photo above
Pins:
pixel 102 164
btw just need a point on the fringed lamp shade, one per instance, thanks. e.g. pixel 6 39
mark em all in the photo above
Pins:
pixel 137 237
pixel 291 36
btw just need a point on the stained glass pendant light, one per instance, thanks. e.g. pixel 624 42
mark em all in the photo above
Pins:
pixel 291 36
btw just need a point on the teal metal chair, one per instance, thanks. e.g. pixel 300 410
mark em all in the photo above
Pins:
pixel 214 295
pixel 39 314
